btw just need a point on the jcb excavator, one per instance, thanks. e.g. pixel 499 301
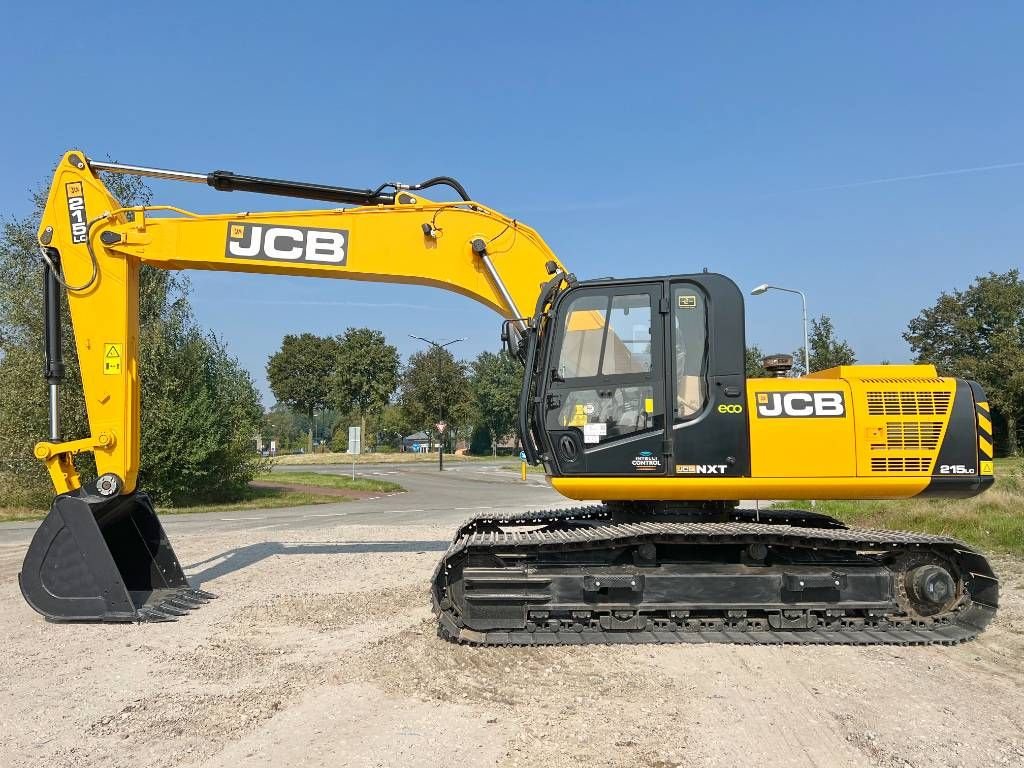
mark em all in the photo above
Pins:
pixel 634 398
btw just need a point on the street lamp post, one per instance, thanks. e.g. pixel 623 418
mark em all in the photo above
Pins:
pixel 437 378
pixel 803 300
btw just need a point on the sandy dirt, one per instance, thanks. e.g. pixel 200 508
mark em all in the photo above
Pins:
pixel 321 651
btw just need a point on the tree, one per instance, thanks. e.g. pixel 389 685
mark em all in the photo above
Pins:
pixel 289 428
pixel 365 375
pixel 200 410
pixel 754 363
pixel 435 387
pixel 300 373
pixel 827 351
pixel 390 426
pixel 495 385
pixel 201 413
pixel 979 334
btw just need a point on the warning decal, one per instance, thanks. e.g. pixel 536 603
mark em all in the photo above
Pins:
pixel 111 359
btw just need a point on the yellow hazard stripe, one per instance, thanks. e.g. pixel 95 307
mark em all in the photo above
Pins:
pixel 983 406
pixel 985 424
pixel 985 447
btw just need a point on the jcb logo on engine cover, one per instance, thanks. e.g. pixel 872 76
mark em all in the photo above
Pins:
pixel 800 404
pixel 266 241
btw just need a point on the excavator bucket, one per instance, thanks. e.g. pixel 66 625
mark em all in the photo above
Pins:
pixel 96 559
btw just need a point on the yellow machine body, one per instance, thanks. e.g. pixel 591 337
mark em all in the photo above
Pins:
pixel 885 445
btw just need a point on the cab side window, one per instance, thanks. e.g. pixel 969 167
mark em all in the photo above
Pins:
pixel 689 333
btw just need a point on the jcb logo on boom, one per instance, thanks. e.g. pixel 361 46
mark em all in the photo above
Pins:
pixel 266 241
pixel 800 404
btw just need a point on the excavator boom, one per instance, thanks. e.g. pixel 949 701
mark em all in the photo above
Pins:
pixel 400 237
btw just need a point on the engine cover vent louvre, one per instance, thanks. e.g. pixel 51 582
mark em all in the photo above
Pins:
pixel 909 403
pixel 910 435
pixel 906 464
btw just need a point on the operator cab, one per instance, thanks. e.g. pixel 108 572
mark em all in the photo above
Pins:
pixel 644 378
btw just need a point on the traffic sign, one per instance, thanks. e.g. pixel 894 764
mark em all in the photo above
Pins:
pixel 441 426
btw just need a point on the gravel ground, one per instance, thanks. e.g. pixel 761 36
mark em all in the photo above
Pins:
pixel 321 651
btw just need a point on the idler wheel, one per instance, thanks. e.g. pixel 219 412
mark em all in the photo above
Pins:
pixel 927 585
pixel 931 585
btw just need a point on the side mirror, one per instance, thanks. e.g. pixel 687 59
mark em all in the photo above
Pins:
pixel 512 341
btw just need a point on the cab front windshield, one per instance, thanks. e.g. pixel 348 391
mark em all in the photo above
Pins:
pixel 607 350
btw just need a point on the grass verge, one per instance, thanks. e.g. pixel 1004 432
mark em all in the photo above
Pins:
pixel 539 469
pixel 330 481
pixel 13 514
pixel 253 497
pixel 993 521
pixel 298 459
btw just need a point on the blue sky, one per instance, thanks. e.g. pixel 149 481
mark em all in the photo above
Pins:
pixel 638 138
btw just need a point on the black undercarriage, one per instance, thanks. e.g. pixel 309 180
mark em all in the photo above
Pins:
pixel 592 575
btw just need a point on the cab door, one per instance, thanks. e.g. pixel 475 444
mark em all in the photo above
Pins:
pixel 709 432
pixel 603 399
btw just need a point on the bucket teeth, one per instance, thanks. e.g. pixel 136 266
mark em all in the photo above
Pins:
pixel 200 594
pixel 155 614
pixel 178 604
pixel 173 607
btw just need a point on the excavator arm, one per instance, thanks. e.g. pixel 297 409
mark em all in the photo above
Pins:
pixel 94 247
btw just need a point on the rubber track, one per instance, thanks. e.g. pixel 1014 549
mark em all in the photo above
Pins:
pixel 583 528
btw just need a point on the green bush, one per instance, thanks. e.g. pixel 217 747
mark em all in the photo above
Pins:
pixel 480 442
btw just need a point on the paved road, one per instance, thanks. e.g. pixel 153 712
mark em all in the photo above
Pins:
pixel 431 497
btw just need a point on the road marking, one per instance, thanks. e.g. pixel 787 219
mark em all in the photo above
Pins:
pixel 229 519
pixel 326 514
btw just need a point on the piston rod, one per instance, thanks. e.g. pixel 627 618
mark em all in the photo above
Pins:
pixel 53 352
pixel 228 181
pixel 480 249
pixel 154 173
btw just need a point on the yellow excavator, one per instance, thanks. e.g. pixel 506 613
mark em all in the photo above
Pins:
pixel 634 399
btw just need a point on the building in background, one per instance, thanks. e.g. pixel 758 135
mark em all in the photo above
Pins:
pixel 418 442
